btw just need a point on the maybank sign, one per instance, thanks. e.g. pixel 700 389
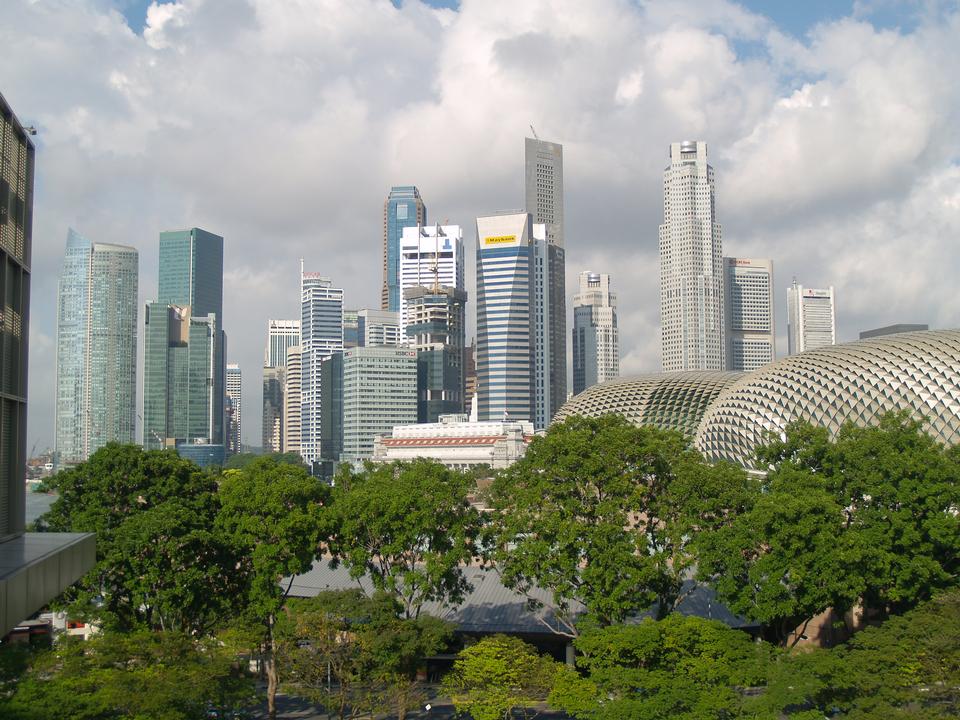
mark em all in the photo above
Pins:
pixel 500 240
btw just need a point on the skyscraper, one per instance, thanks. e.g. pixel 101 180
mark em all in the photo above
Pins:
pixel 291 401
pixel 281 334
pixel 748 305
pixel 403 208
pixel 691 268
pixel 377 327
pixel 543 181
pixel 431 256
pixel 596 340
pixel 191 286
pixel 96 348
pixel 234 386
pixel 321 335
pixel 505 316
pixel 811 318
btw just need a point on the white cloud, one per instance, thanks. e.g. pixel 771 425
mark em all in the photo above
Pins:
pixel 282 125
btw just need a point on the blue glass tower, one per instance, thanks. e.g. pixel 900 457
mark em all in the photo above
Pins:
pixel 403 208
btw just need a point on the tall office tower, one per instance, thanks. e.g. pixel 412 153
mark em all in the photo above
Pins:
pixel 281 335
pixel 469 376
pixel 596 339
pixel 331 413
pixel 191 278
pixel 321 335
pixel 543 181
pixel 436 330
pixel 748 305
pixel 234 387
pixel 351 328
pixel 505 324
pixel 811 318
pixel 36 567
pixel 291 401
pixel 691 266
pixel 272 426
pixel 403 208
pixel 179 376
pixel 430 256
pixel 96 348
pixel 378 327
pixel 379 391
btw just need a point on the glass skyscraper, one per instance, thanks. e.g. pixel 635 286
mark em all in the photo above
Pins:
pixel 321 335
pixel 96 348
pixel 436 330
pixel 403 208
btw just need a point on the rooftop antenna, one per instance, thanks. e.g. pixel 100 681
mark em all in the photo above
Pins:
pixel 535 136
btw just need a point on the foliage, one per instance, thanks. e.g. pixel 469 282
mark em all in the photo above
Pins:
pixel 160 563
pixel 680 667
pixel 239 461
pixel 498 675
pixel 141 674
pixel 869 517
pixel 271 512
pixel 409 525
pixel 601 512
pixel 909 667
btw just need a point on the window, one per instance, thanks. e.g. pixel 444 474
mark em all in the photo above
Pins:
pixel 401 211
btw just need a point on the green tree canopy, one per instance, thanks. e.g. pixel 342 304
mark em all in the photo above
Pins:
pixel 409 525
pixel 239 461
pixel 160 562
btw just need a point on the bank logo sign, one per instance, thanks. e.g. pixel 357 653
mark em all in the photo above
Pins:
pixel 500 240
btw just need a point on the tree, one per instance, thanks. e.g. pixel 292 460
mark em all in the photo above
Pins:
pixel 410 526
pixel 600 512
pixel 498 675
pixel 160 563
pixel 239 461
pixel 681 667
pixel 136 675
pixel 271 512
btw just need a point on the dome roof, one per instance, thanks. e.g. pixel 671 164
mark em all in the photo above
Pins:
pixel 672 400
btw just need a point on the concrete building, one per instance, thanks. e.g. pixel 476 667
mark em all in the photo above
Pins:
pixel 34 567
pixel 543 186
pixel 331 420
pixel 378 327
pixel 379 391
pixel 811 318
pixel 403 208
pixel 189 309
pixel 234 385
pixel 596 339
pixel 469 376
pixel 96 348
pixel 321 335
pixel 291 401
pixel 892 330
pixel 430 256
pixel 748 306
pixel 281 335
pixel 436 330
pixel 691 267
pixel 272 426
pixel 351 328
pixel 457 443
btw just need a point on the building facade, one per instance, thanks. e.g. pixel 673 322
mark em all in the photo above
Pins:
pixel 281 335
pixel 892 330
pixel 691 267
pixel 811 318
pixel 403 208
pixel 96 348
pixel 543 185
pixel 379 391
pixel 272 425
pixel 596 338
pixel 290 429
pixel 748 305
pixel 430 256
pixel 378 327
pixel 234 385
pixel 321 335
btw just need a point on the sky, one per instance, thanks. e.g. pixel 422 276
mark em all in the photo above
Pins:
pixel 832 128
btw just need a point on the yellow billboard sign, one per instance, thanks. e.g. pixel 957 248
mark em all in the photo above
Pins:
pixel 499 239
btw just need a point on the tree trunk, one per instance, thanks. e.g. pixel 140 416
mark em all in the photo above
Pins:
pixel 270 665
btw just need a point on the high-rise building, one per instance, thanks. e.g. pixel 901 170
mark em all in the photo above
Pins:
pixel 469 376
pixel 291 401
pixel 543 183
pixel 379 391
pixel 811 318
pixel 436 330
pixel 596 340
pixel 179 377
pixel 378 327
pixel 748 307
pixel 281 334
pixel 691 266
pixel 321 335
pixel 430 256
pixel 36 566
pixel 191 280
pixel 96 348
pixel 505 316
pixel 234 387
pixel 331 418
pixel 272 433
pixel 351 328
pixel 403 208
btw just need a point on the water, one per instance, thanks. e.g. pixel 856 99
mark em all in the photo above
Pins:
pixel 38 504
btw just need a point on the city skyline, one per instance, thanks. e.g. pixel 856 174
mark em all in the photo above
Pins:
pixel 776 105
